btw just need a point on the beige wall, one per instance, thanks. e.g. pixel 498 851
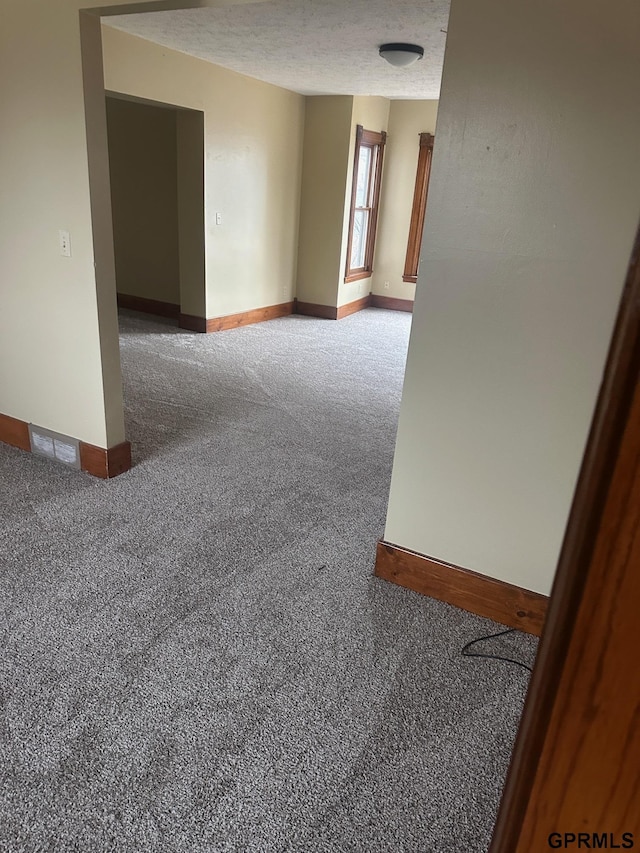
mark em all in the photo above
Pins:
pixel 191 219
pixel 253 158
pixel 329 147
pixel 143 166
pixel 407 120
pixel 533 204
pixel 324 178
pixel 373 114
pixel 59 359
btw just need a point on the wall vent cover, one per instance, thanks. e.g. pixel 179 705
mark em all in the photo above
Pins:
pixel 53 445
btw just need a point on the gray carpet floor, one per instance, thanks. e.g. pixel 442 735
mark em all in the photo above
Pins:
pixel 195 656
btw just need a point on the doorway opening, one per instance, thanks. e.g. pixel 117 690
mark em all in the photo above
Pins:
pixel 156 165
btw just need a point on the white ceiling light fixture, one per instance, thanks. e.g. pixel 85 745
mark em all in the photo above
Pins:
pixel 401 55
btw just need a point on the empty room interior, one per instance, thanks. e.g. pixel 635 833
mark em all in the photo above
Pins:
pixel 299 352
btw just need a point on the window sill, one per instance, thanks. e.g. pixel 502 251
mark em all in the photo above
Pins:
pixel 356 276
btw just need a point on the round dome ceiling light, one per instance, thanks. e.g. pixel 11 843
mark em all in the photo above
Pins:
pixel 400 55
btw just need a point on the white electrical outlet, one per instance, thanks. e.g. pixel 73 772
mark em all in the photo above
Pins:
pixel 387 285
pixel 65 244
pixel 218 219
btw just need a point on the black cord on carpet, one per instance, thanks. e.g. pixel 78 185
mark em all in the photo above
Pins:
pixel 465 651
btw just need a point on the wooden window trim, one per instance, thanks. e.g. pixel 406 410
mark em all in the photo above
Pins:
pixel 358 274
pixel 370 138
pixel 418 210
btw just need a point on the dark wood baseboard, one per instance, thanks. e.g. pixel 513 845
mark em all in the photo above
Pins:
pixel 192 323
pixel 149 306
pixel 99 461
pixel 105 463
pixel 391 303
pixel 247 318
pixel 330 312
pixel 353 307
pixel 494 599
pixel 310 309
pixel 14 432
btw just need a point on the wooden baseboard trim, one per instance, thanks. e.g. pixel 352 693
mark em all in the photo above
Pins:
pixel 330 312
pixel 391 303
pixel 14 432
pixel 247 318
pixel 235 321
pixel 149 306
pixel 353 307
pixel 105 463
pixel 503 602
pixel 192 323
pixel 310 309
pixel 100 462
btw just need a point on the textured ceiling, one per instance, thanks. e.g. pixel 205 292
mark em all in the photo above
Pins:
pixel 315 47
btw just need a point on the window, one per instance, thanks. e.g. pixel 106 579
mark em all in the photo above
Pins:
pixel 419 207
pixel 365 195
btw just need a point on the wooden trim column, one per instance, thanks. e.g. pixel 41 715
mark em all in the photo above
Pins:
pixel 419 208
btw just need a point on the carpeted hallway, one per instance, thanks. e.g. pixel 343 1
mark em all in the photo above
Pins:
pixel 195 656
